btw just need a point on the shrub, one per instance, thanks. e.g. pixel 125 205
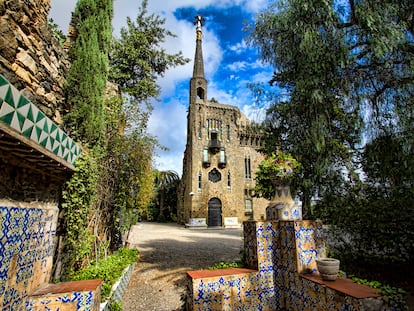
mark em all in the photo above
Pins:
pixel 109 269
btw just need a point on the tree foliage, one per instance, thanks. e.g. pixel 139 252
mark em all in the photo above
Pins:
pixel 88 73
pixel 137 59
pixel 57 32
pixel 165 193
pixel 315 121
pixel 347 72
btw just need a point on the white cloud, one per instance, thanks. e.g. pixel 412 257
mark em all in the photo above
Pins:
pixel 168 123
pixel 257 5
pixel 239 47
pixel 237 66
pixel 244 65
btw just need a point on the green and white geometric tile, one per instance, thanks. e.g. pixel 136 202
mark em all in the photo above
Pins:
pixel 19 113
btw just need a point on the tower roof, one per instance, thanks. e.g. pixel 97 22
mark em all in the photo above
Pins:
pixel 198 71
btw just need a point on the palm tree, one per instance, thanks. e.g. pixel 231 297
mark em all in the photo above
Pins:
pixel 163 182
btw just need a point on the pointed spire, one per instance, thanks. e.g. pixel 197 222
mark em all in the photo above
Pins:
pixel 198 71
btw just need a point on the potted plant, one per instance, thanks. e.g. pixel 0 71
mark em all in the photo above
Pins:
pixel 273 182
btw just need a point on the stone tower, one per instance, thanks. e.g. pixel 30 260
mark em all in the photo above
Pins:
pixel 220 158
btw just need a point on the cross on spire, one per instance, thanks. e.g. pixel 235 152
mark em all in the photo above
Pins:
pixel 199 21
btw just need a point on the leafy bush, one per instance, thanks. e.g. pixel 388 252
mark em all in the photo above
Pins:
pixel 109 269
pixel 242 263
pixel 395 297
pixel 224 265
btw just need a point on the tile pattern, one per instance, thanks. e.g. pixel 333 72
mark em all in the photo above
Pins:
pixel 26 252
pixel 23 116
pixel 79 301
pixel 280 251
pixel 233 292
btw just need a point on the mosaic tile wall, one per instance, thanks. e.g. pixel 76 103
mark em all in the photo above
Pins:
pixel 233 293
pixel 26 250
pixel 23 116
pixel 80 301
pixel 279 251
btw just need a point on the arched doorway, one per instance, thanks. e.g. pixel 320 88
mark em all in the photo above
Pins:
pixel 214 213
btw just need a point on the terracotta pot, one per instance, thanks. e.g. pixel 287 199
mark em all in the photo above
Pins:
pixel 328 268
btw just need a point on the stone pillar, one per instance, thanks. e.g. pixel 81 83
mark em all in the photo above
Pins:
pixel 281 251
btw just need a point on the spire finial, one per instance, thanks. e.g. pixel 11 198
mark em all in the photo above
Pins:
pixel 199 22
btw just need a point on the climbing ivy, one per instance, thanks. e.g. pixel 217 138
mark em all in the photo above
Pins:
pixel 78 196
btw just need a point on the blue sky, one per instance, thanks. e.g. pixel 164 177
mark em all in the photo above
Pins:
pixel 229 63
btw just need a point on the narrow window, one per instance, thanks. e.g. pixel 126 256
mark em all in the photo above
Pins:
pixel 222 156
pixel 228 179
pixel 248 208
pixel 206 158
pixel 199 180
pixel 247 168
pixel 250 170
pixel 228 132
pixel 199 130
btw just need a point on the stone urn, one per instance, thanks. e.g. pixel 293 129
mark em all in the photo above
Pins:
pixel 282 206
pixel 328 268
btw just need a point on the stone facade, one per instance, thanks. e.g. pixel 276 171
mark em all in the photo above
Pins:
pixel 220 159
pixel 30 57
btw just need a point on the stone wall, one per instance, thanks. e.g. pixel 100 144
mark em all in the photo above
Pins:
pixel 30 57
pixel 25 184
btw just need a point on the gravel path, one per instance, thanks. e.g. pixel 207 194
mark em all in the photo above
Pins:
pixel 167 252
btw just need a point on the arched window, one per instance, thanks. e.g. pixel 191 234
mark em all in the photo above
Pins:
pixel 200 93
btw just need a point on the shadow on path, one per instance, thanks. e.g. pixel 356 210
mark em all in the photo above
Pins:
pixel 167 252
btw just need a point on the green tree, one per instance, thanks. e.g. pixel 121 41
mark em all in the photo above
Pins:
pixel 346 68
pixel 315 121
pixel 114 183
pixel 137 59
pixel 166 187
pixel 57 32
pixel 85 92
pixel 88 73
